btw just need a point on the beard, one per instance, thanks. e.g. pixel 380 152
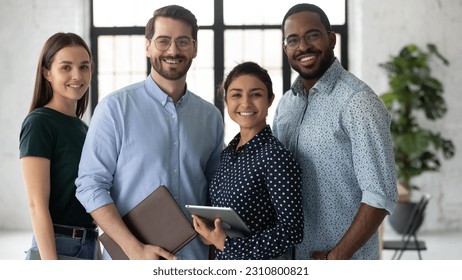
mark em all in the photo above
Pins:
pixel 173 73
pixel 311 74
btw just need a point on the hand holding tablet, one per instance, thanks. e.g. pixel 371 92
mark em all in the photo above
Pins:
pixel 232 224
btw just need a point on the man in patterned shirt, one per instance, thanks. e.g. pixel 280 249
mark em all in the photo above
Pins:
pixel 339 131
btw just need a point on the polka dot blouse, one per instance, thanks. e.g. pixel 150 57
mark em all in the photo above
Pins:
pixel 261 181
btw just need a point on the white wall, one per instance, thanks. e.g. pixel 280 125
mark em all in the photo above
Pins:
pixel 381 28
pixel 377 29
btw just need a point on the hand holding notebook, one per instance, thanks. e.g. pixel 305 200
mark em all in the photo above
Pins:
pixel 158 220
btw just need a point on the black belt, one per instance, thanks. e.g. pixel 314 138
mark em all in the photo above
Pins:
pixel 76 232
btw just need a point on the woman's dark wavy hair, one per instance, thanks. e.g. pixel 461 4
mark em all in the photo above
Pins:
pixel 43 91
pixel 248 68
pixel 175 12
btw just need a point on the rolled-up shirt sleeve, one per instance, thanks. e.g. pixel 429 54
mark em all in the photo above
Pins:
pixel 99 159
pixel 368 124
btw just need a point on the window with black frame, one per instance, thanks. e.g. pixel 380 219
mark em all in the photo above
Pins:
pixel 230 31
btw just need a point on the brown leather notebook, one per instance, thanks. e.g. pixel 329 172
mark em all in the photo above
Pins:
pixel 157 220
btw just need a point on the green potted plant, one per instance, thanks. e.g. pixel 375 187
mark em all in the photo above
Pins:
pixel 415 94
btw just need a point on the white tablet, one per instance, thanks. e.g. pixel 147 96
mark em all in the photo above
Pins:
pixel 231 223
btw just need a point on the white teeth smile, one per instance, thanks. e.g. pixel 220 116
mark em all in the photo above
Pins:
pixel 245 114
pixel 75 86
pixel 172 61
pixel 307 58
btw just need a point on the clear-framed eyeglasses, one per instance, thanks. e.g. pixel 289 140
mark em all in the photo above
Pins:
pixel 293 42
pixel 182 43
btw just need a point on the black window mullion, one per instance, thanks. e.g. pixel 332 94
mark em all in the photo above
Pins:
pixel 219 51
pixel 218 29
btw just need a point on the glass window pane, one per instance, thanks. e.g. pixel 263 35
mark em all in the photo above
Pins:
pixel 200 77
pixel 337 49
pixel 260 46
pixel 105 85
pixel 245 12
pixel 200 82
pixel 109 13
pixel 121 61
pixel 205 50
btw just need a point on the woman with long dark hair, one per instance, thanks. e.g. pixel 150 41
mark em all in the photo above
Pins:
pixel 51 141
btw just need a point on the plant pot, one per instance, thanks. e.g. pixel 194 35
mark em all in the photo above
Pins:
pixel 401 215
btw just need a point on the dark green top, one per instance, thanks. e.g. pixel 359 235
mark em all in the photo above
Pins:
pixel 50 134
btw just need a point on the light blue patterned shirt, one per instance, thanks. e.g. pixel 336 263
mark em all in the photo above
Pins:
pixel 138 140
pixel 340 135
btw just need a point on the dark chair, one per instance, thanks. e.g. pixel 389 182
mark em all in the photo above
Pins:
pixel 409 239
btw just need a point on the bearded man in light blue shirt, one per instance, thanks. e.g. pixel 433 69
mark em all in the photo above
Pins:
pixel 339 131
pixel 155 132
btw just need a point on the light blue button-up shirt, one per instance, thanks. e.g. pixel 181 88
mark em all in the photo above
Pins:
pixel 340 135
pixel 138 140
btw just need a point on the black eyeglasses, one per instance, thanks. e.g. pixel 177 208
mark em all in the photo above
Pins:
pixel 182 43
pixel 293 42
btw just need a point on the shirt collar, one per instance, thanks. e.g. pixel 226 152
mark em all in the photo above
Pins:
pixel 160 95
pixel 255 143
pixel 325 84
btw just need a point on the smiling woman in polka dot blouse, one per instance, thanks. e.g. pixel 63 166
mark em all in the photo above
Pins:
pixel 257 176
